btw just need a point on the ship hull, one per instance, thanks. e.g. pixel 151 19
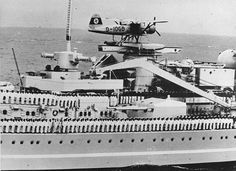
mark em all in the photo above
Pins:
pixel 109 150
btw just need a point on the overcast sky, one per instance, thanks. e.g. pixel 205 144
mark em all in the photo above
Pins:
pixel 216 17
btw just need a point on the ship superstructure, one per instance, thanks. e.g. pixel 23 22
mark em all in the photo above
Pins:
pixel 138 111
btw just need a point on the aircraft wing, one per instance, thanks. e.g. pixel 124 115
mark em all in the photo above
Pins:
pixel 121 21
pixel 154 21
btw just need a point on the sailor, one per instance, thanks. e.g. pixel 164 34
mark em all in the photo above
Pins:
pixel 165 120
pixel 23 126
pixel 122 125
pixel 5 125
pixel 69 125
pixel 208 121
pixel 10 126
pixel 95 125
pixel 87 125
pixel 42 125
pixel 16 125
pixel 32 125
pixel 216 122
pixel 106 124
pixel 148 125
pixel 2 126
pixel 125 124
pixel 78 125
pixel 155 124
pixel 137 124
pixel 230 122
pixel 222 124
pixel 73 126
pixel 193 123
pixel 109 125
pixel 37 126
pixel 65 125
pixel 185 122
pixel 91 125
pixel 113 125
pixel 100 128
pixel 180 125
pixel 171 124
pixel 84 125
pixel 176 124
pixel 161 123
pixel 151 124
pixel 48 124
pixel 143 124
pixel 166 124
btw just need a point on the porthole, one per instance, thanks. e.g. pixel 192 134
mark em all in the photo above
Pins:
pixel 72 142
pixel 49 142
pixel 210 138
pixel 226 137
pixel 142 140
pixel 4 112
pixel 235 137
pixel 162 139
pixel 88 141
pixel 182 139
pixel 154 139
pixel 21 142
pixel 61 142
pixel 172 139
pixel 203 138
pixel 121 141
pixel 190 138
pixel 110 140
pixel 221 137
pixel 37 142
pixel 31 142
pixel 13 142
pixel 33 113
pixel 27 113
pixel 132 140
pixel 1 142
pixel 99 141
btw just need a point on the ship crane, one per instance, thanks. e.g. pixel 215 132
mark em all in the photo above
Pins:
pixel 143 63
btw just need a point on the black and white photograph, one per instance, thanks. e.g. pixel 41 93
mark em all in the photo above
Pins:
pixel 118 85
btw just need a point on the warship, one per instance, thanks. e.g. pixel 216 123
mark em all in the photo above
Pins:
pixel 140 111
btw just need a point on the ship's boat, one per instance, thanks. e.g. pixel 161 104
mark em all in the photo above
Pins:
pixel 135 112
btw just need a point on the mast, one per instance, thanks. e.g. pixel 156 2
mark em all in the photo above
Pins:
pixel 68 26
pixel 14 55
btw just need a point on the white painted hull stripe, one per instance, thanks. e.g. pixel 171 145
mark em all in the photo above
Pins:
pixel 114 154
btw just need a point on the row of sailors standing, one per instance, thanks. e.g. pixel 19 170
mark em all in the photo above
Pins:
pixel 39 99
pixel 130 99
pixel 115 125
pixel 69 101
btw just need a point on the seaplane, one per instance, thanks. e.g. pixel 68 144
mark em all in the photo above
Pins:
pixel 128 29
pixel 130 32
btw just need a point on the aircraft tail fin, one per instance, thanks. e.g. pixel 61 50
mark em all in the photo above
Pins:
pixel 95 20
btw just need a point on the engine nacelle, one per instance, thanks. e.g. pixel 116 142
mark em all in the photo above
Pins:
pixel 151 30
